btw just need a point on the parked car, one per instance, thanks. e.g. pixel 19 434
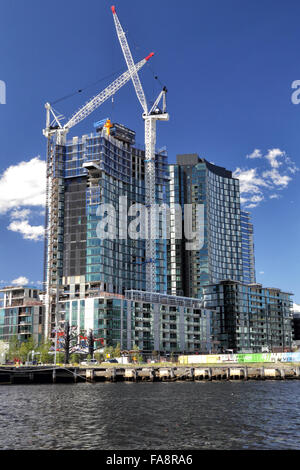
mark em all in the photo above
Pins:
pixel 114 361
pixel 90 362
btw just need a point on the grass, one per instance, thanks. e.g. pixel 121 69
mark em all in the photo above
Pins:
pixel 205 365
pixel 176 364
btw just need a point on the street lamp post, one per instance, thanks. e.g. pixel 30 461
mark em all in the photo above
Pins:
pixel 32 353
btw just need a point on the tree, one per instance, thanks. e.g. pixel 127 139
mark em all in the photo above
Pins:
pixel 91 343
pixel 23 352
pixel 100 357
pixel 75 358
pixel 117 351
pixel 136 357
pixel 60 357
pixel 155 355
pixel 14 348
pixel 44 349
pixel 67 340
pixel 109 352
pixel 25 348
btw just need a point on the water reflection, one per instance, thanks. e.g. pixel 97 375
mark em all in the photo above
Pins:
pixel 220 415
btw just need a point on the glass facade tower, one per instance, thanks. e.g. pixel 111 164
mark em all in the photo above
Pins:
pixel 224 253
pixel 247 248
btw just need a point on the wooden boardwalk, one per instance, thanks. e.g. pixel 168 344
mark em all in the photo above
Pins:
pixel 70 374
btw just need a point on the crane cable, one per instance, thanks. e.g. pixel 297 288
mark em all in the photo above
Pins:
pixel 85 88
pixel 80 90
pixel 137 47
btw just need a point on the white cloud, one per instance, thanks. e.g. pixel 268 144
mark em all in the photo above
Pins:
pixel 273 155
pixel 277 178
pixel 257 183
pixel 256 198
pixel 250 181
pixel 252 201
pixel 20 214
pixel 23 185
pixel 255 154
pixel 20 281
pixel 29 232
pixel 292 167
pixel 296 308
pixel 20 223
pixel 251 186
pixel 261 272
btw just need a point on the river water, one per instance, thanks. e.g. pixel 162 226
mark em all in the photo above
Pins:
pixel 181 415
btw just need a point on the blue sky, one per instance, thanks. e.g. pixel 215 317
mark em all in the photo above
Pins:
pixel 228 66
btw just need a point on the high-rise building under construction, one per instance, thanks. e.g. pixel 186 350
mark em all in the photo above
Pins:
pixel 104 167
pixel 145 288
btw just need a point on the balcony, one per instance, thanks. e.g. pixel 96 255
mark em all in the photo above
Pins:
pixel 16 303
pixel 92 165
pixel 18 295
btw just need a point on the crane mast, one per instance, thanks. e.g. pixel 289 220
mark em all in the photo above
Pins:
pixel 150 118
pixel 129 61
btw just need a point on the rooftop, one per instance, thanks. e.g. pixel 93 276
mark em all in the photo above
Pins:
pixel 254 284
pixel 193 159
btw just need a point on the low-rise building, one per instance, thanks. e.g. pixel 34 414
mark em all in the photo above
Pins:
pixel 21 313
pixel 152 321
pixel 251 318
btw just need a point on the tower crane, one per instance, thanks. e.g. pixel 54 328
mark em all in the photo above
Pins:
pixel 150 117
pixel 55 127
pixel 56 133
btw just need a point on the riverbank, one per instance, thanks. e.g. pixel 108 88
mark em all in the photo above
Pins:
pixel 10 375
